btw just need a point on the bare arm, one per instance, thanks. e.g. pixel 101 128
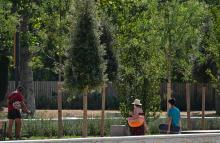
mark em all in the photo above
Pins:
pixel 169 124
pixel 180 123
pixel 24 107
pixel 145 127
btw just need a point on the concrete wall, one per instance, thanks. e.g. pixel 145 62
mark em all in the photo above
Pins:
pixel 192 138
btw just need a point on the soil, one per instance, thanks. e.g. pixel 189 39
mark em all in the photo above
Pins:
pixel 95 113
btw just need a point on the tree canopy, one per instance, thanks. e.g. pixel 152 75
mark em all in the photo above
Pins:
pixel 141 43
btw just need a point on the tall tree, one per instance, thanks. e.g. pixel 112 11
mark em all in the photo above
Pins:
pixel 106 39
pixel 141 61
pixel 25 9
pixel 55 24
pixel 181 32
pixel 210 63
pixel 85 66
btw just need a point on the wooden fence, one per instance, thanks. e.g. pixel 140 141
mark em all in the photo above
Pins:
pixel 179 92
pixel 47 90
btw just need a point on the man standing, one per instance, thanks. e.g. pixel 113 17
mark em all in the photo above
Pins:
pixel 15 103
pixel 174 120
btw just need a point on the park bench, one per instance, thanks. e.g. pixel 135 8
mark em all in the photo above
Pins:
pixel 119 130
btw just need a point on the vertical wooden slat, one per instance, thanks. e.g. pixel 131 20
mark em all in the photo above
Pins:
pixel 103 111
pixel 203 106
pixel 85 124
pixel 59 103
pixel 188 105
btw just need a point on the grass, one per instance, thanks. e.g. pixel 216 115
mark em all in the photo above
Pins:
pixel 44 128
pixel 47 129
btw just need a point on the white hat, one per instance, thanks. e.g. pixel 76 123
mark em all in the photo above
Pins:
pixel 137 102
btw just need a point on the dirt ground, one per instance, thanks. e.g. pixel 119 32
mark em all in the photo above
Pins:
pixel 72 113
pixel 94 113
pixel 67 113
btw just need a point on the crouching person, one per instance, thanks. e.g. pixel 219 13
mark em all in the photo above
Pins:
pixel 15 103
pixel 137 121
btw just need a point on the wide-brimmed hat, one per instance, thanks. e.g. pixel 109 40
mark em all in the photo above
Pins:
pixel 137 102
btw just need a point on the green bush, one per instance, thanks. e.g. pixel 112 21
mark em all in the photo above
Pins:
pixel 48 128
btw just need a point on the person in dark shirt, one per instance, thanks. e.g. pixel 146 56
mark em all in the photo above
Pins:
pixel 15 103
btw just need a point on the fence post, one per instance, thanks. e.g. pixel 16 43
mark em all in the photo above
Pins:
pixel 188 105
pixel 103 111
pixel 85 104
pixel 59 101
pixel 203 106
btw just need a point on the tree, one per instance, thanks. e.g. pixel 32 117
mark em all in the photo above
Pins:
pixel 141 61
pixel 181 32
pixel 8 23
pixel 55 24
pixel 27 11
pixel 106 39
pixel 84 69
pixel 210 63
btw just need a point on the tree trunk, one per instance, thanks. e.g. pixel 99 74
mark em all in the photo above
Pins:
pixel 16 57
pixel 169 90
pixel 168 52
pixel 203 107
pixel 188 106
pixel 84 129
pixel 26 73
pixel 103 111
pixel 59 102
pixel 59 97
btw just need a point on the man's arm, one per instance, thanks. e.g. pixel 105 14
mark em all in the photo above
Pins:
pixel 169 124
pixel 24 107
pixel 180 124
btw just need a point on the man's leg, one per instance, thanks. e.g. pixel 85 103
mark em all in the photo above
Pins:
pixel 18 128
pixel 10 125
pixel 163 128
pixel 174 130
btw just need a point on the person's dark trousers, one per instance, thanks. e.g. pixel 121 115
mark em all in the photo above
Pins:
pixel 173 129
pixel 137 131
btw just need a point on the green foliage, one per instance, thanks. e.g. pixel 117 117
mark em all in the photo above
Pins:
pixel 140 60
pixel 106 39
pixel 85 65
pixel 48 128
pixel 153 39
pixel 181 34
pixel 55 29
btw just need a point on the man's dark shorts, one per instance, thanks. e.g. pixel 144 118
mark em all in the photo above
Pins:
pixel 173 130
pixel 14 114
